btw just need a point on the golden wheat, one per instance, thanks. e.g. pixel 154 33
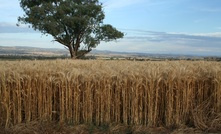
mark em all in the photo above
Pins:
pixel 169 93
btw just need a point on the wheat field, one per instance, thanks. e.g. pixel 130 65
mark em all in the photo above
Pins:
pixel 150 93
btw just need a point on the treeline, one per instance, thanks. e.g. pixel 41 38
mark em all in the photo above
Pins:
pixel 30 57
pixel 94 57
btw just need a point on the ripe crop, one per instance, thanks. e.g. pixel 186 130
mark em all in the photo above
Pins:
pixel 168 93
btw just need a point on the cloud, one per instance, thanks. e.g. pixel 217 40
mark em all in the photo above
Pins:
pixel 6 27
pixel 198 39
pixel 136 40
pixel 167 43
pixel 28 39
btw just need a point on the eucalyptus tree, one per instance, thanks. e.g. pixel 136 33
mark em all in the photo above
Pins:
pixel 76 24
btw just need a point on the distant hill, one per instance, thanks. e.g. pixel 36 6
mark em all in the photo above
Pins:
pixel 33 51
pixel 24 51
pixel 137 55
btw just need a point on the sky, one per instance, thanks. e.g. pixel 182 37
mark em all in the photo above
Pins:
pixel 184 27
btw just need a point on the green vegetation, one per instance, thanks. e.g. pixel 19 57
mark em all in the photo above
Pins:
pixel 76 24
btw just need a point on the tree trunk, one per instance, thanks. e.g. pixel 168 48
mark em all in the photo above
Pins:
pixel 72 52
pixel 75 50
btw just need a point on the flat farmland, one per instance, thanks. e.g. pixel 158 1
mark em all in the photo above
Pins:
pixel 168 94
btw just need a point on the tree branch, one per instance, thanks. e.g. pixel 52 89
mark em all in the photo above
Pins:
pixel 59 40
pixel 83 52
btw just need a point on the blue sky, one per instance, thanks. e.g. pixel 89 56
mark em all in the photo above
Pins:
pixel 151 26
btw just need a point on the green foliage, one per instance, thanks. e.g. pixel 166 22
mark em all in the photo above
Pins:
pixel 71 23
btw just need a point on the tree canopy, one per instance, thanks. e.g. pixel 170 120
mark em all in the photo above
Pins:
pixel 76 24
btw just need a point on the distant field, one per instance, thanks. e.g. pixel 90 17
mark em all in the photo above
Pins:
pixel 170 94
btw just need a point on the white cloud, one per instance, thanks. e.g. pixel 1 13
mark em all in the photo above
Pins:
pixel 148 42
pixel 28 39
pixel 8 27
pixel 167 43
